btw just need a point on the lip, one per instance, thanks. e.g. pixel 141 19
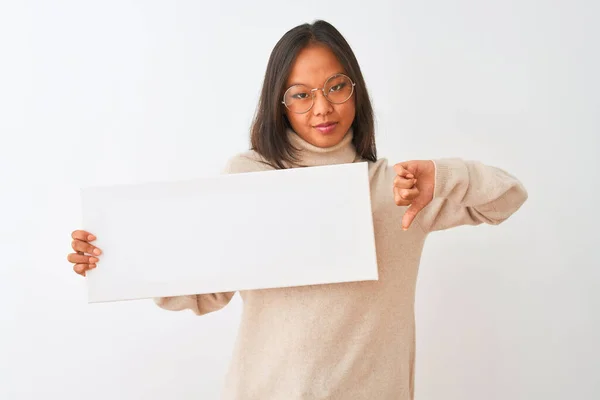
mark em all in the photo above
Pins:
pixel 326 127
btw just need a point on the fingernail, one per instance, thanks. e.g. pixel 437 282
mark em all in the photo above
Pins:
pixel 97 252
pixel 404 228
pixel 91 237
pixel 92 266
pixel 93 260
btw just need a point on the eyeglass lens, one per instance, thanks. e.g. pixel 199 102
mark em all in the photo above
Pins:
pixel 299 98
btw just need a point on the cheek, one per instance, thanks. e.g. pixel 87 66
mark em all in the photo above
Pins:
pixel 348 111
pixel 299 122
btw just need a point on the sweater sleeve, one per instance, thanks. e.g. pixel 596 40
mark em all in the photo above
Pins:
pixel 470 193
pixel 202 304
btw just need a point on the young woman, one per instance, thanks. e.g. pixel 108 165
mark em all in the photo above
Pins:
pixel 349 340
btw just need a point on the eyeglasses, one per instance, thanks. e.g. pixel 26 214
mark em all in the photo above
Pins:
pixel 299 99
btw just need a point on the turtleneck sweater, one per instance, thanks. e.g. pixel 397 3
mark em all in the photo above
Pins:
pixel 353 340
pixel 310 155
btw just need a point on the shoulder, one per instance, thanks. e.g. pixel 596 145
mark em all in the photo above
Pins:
pixel 249 161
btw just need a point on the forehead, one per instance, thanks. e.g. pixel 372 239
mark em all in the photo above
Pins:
pixel 313 65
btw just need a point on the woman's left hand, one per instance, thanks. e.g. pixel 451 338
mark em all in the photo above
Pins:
pixel 413 186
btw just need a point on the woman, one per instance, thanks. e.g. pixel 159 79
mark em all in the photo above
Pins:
pixel 350 340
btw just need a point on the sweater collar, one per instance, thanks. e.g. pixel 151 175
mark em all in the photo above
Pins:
pixel 312 156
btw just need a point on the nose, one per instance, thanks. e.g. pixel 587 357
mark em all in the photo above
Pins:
pixel 321 105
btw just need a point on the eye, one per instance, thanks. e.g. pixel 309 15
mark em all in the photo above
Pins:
pixel 337 87
pixel 300 96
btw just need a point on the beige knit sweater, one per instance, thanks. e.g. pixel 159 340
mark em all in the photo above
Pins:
pixel 352 341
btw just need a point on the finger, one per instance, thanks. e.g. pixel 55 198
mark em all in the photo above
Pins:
pixel 404 183
pixel 402 171
pixel 409 215
pixel 409 194
pixel 81 269
pixel 85 247
pixel 80 258
pixel 83 235
pixel 398 198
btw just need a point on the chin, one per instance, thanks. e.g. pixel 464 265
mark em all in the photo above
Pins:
pixel 319 139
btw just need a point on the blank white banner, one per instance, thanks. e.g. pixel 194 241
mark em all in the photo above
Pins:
pixel 232 232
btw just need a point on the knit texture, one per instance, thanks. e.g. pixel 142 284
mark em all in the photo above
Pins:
pixel 356 340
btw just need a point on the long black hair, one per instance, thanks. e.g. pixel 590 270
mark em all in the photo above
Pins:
pixel 268 132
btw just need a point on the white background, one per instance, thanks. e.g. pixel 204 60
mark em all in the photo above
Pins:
pixel 113 92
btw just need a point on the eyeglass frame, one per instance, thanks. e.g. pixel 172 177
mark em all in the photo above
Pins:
pixel 322 89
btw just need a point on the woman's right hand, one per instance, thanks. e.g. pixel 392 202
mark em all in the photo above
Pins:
pixel 86 255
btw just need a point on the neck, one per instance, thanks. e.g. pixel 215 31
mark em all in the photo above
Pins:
pixel 311 156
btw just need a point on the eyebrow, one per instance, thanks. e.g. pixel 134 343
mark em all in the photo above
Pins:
pixel 337 73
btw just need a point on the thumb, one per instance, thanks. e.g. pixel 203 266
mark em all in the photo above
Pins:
pixel 410 214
